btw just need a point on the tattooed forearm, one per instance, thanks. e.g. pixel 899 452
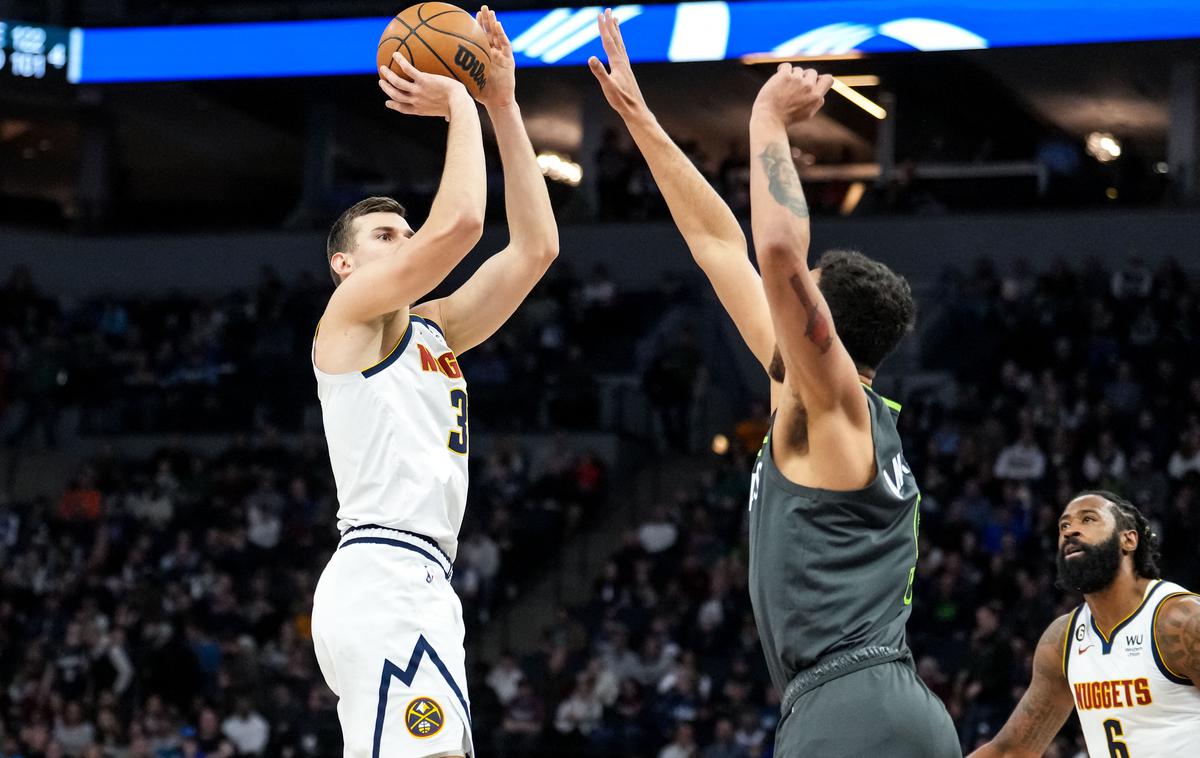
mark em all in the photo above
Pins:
pixel 782 180
pixel 1035 722
pixel 1178 634
pixel 816 328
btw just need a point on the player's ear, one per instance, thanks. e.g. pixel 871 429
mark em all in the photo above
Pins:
pixel 1129 540
pixel 341 263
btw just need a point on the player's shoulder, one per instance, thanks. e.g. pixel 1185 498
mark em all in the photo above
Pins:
pixel 1176 637
pixel 1056 632
pixel 1178 608
pixel 1050 657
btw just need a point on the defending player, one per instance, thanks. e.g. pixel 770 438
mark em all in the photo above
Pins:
pixel 1128 659
pixel 833 512
pixel 387 626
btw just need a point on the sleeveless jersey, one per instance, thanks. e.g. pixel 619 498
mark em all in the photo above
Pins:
pixel 398 438
pixel 831 572
pixel 1130 704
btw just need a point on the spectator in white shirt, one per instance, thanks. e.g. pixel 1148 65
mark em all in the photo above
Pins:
pixel 1023 460
pixel 504 678
pixel 1186 457
pixel 683 746
pixel 247 729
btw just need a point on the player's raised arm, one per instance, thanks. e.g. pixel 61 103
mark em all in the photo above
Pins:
pixel 708 226
pixel 818 368
pixel 1044 707
pixel 455 222
pixel 477 309
pixel 1177 635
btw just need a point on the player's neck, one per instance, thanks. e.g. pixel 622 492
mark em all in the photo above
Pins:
pixel 866 376
pixel 1117 602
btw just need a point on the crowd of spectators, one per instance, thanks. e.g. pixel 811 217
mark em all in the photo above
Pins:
pixel 187 364
pixel 159 607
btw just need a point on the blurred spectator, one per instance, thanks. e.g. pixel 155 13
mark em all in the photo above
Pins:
pixel 683 746
pixel 246 729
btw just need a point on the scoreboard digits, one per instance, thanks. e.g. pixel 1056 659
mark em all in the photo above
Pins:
pixel 35 52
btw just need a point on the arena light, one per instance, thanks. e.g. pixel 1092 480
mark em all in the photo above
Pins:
pixel 559 169
pixel 720 444
pixel 1103 146
pixel 854 195
pixel 859 99
pixel 860 80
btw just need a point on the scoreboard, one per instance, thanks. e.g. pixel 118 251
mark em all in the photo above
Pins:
pixel 37 52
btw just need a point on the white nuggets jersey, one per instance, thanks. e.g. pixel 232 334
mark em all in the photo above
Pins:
pixel 398 438
pixel 1130 704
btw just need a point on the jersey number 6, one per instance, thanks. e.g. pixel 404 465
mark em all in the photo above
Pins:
pixel 457 441
pixel 1116 748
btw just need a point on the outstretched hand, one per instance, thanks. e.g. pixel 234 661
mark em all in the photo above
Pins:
pixel 501 87
pixel 618 82
pixel 792 94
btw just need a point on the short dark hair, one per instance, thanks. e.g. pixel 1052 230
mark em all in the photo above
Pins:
pixel 1129 518
pixel 341 235
pixel 872 306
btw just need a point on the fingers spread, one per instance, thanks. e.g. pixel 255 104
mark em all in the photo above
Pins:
pixel 391 77
pixel 391 91
pixel 501 34
pixel 409 69
pixel 598 69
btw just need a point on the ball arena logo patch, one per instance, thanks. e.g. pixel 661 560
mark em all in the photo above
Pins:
pixel 423 717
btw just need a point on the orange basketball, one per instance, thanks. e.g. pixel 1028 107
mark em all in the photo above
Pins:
pixel 438 38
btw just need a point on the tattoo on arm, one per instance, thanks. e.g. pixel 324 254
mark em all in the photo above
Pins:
pixel 816 328
pixel 1048 702
pixel 1178 637
pixel 782 180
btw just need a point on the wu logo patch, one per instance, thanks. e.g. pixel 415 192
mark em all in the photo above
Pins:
pixel 423 717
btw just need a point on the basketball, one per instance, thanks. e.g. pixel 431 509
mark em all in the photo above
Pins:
pixel 438 38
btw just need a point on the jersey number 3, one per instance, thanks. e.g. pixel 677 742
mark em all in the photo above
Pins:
pixel 457 441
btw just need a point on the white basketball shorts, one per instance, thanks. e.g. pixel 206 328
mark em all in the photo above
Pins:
pixel 388 632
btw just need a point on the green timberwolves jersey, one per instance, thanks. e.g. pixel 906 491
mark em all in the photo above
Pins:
pixel 832 572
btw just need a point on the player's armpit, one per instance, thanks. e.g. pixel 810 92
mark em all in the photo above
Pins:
pixel 1177 635
pixel 1045 706
pixel 474 311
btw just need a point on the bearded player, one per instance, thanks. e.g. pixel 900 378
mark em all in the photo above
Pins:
pixel 1127 660
pixel 387 626
pixel 833 512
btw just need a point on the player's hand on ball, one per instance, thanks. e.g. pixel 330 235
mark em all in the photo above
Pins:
pixel 419 94
pixel 792 94
pixel 619 85
pixel 501 86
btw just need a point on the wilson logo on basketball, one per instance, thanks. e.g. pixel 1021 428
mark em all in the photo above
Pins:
pixel 466 60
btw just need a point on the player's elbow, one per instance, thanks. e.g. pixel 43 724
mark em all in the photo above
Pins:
pixel 467 225
pixel 547 251
pixel 720 248
pixel 779 253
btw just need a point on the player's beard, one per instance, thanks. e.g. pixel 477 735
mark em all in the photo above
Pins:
pixel 1094 569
